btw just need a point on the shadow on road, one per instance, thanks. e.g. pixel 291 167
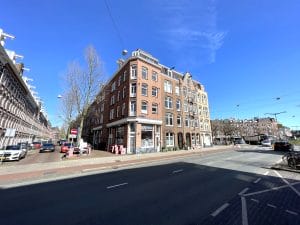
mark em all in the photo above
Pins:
pixel 177 193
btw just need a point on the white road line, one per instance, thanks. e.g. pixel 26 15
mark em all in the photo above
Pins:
pixel 291 212
pixel 215 213
pixel 266 173
pixel 177 171
pixel 254 200
pixel 272 206
pixel 285 181
pixel 244 191
pixel 257 180
pixel 271 189
pixel 244 211
pixel 117 185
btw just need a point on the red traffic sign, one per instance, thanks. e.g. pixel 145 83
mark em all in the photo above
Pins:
pixel 74 131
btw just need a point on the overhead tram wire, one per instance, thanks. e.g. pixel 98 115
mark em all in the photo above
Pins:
pixel 114 23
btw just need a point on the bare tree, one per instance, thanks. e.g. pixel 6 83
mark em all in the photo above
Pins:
pixel 83 85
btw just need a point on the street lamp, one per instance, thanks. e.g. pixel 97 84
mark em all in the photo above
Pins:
pixel 275 114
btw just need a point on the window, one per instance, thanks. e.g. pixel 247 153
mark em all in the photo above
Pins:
pixel 123 109
pixel 178 105
pixel 124 75
pixel 147 136
pixel 168 102
pixel 118 111
pixel 169 119
pixel 169 139
pixel 119 96
pixel 154 91
pixel 154 108
pixel 111 114
pixel 144 107
pixel 168 86
pixel 154 76
pixel 133 71
pixel 177 90
pixel 113 86
pixel 119 80
pixel 102 107
pixel 112 100
pixel 132 108
pixel 145 73
pixel 179 121
pixel 144 89
pixel 184 91
pixel 185 106
pixel 133 90
pixel 119 135
pixel 101 118
pixel 124 92
pixel 187 121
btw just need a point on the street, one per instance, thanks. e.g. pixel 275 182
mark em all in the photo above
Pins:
pixel 230 187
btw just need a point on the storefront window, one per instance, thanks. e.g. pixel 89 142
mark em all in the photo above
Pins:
pixel 119 135
pixel 147 136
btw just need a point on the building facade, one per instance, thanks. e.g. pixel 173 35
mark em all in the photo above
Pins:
pixel 21 116
pixel 148 107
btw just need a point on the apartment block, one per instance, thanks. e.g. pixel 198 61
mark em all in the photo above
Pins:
pixel 148 107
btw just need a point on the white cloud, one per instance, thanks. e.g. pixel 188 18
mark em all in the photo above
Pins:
pixel 191 26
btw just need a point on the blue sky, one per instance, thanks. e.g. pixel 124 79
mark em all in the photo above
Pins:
pixel 246 53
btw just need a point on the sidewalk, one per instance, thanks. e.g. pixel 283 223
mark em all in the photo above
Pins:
pixel 11 175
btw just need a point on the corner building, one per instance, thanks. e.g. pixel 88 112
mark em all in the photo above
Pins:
pixel 148 107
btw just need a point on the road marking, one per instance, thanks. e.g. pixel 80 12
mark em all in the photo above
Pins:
pixel 271 189
pixel 266 173
pixel 177 171
pixel 291 212
pixel 254 200
pixel 244 211
pixel 257 180
pixel 215 213
pixel 272 206
pixel 117 185
pixel 285 181
pixel 244 191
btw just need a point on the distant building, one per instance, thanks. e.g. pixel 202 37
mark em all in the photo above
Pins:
pixel 21 114
pixel 148 107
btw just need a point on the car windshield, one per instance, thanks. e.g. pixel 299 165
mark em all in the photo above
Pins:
pixel 47 145
pixel 12 147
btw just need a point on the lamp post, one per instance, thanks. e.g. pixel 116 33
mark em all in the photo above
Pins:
pixel 275 114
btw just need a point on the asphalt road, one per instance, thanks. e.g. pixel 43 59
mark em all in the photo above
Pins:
pixel 232 187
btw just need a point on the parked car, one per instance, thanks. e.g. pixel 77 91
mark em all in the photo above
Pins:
pixel 47 147
pixel 266 143
pixel 65 147
pixel 12 152
pixel 283 146
pixel 25 146
pixel 36 144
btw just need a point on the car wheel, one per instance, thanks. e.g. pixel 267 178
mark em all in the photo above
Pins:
pixel 292 163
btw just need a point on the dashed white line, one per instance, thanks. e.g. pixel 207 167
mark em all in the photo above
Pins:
pixel 244 211
pixel 244 191
pixel 117 185
pixel 257 180
pixel 285 181
pixel 254 200
pixel 215 213
pixel 177 171
pixel 291 212
pixel 272 206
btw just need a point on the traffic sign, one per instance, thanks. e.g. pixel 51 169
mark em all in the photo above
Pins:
pixel 74 131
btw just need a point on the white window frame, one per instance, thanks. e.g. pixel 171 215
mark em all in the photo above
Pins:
pixel 144 110
pixel 154 106
pixel 155 91
pixel 168 102
pixel 144 73
pixel 144 88
pixel 169 139
pixel 133 71
pixel 169 119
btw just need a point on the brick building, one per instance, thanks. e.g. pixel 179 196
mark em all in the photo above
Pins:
pixel 147 107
